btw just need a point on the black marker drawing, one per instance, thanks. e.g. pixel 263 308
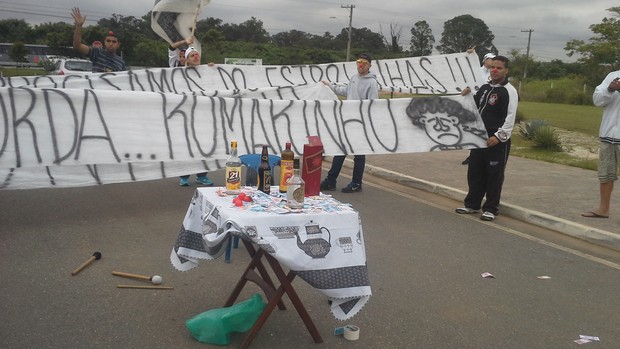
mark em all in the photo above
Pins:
pixel 443 121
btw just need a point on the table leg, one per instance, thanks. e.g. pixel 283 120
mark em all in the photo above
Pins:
pixel 286 284
pixel 247 276
pixel 249 337
pixel 275 297
pixel 261 268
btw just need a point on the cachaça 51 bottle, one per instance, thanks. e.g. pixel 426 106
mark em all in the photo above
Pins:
pixel 264 172
pixel 296 188
pixel 286 166
pixel 233 171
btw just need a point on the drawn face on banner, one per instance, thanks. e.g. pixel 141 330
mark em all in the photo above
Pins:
pixel 441 119
pixel 442 128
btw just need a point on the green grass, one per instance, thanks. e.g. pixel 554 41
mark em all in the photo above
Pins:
pixel 578 118
pixel 524 148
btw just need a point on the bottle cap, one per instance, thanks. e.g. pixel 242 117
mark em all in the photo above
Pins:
pixel 296 163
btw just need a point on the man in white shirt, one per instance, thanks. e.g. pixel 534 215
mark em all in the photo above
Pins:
pixel 607 95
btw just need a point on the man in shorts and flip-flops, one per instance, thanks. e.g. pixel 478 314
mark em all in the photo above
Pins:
pixel 607 95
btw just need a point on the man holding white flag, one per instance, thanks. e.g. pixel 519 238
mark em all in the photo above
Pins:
pixel 175 20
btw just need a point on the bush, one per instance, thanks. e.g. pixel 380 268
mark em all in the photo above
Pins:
pixel 556 95
pixel 528 130
pixel 579 98
pixel 545 137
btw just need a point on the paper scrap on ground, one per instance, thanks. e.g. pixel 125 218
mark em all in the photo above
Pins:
pixel 582 341
pixel 591 338
pixel 487 275
pixel 544 277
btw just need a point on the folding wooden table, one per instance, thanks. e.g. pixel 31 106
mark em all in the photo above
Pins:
pixel 323 245
pixel 273 294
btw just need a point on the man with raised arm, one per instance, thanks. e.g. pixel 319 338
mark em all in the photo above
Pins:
pixel 105 59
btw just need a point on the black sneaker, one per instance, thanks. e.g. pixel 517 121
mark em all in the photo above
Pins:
pixel 352 188
pixel 328 186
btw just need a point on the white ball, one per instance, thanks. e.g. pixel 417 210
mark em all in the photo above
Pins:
pixel 156 280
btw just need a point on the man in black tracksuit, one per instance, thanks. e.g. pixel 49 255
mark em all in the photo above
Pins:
pixel 497 104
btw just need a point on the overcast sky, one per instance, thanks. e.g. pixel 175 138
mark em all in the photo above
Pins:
pixel 554 22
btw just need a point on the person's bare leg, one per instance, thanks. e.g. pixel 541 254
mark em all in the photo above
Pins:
pixel 603 208
pixel 606 189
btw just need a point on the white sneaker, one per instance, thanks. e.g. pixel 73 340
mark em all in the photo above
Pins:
pixel 487 216
pixel 466 210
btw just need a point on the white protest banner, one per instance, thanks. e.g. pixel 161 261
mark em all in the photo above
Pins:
pixel 442 74
pixel 48 128
pixel 311 91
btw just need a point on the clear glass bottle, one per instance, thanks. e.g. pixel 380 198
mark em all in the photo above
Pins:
pixel 286 166
pixel 296 188
pixel 233 171
pixel 264 172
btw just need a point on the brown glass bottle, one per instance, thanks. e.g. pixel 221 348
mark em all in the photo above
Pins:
pixel 264 172
pixel 286 166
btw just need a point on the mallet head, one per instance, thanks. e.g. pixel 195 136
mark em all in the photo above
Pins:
pixel 156 280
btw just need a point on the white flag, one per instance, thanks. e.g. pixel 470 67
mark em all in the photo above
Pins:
pixel 174 20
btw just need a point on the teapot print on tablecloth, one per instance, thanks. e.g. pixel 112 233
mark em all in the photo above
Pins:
pixel 315 245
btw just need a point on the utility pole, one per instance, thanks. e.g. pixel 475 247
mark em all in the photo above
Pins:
pixel 350 7
pixel 527 56
pixel 527 53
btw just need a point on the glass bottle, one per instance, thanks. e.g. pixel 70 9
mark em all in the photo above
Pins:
pixel 233 171
pixel 286 166
pixel 296 188
pixel 264 172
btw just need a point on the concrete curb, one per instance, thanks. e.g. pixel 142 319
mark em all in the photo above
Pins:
pixel 596 236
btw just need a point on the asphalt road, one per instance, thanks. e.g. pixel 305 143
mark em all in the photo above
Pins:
pixel 425 266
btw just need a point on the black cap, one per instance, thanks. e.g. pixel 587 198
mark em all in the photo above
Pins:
pixel 365 56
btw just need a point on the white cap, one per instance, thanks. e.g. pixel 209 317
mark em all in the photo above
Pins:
pixel 488 55
pixel 190 49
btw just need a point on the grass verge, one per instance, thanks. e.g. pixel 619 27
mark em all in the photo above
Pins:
pixel 576 118
pixel 526 149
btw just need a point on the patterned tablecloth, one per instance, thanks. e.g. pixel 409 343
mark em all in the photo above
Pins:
pixel 323 243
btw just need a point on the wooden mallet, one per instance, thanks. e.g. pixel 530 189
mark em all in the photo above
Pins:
pixel 96 255
pixel 155 279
